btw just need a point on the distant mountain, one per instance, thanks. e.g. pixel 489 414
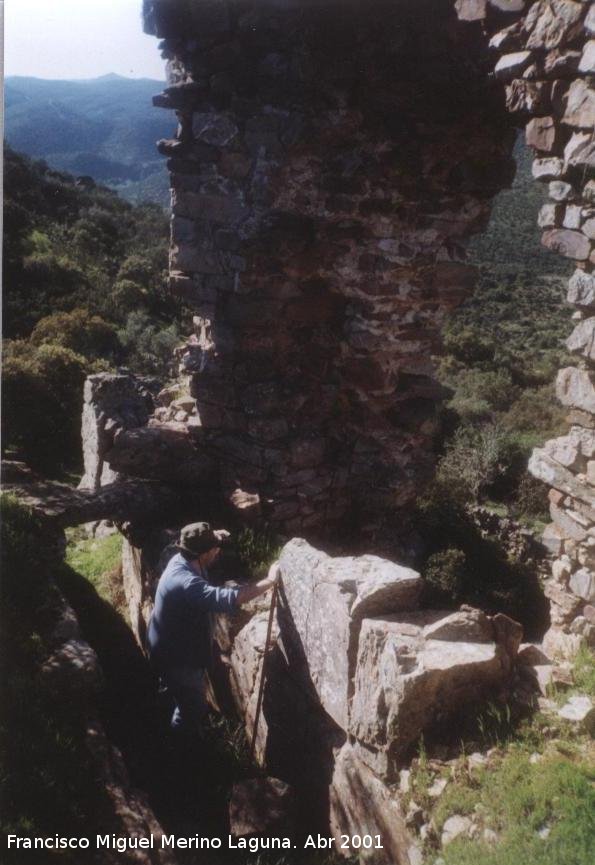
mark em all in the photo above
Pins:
pixel 104 127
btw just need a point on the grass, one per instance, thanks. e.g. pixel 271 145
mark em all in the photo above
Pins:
pixel 584 671
pixel 257 550
pixel 519 800
pixel 99 560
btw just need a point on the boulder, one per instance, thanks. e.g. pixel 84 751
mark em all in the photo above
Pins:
pixel 549 168
pixel 559 645
pixel 110 402
pixel 325 600
pixel 512 65
pixel 161 452
pixel 582 583
pixel 581 289
pixel 574 388
pixel 246 669
pixel 548 470
pixel 471 10
pixel 580 150
pixel 564 241
pixel 74 669
pixel 415 670
pixel 580 107
pixel 587 61
pixel 541 133
pixel 262 806
pixel 361 804
pixel 580 710
pixel 582 338
pixel 550 25
pixel 455 827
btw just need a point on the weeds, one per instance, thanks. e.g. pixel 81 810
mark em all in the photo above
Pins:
pixel 584 671
pixel 257 550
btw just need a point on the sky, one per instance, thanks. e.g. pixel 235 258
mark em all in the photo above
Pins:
pixel 68 39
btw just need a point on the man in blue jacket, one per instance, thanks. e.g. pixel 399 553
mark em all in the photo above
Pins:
pixel 179 634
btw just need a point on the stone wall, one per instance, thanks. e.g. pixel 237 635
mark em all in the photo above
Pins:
pixel 325 174
pixel 329 163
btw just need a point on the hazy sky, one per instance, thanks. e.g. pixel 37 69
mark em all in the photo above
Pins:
pixel 78 39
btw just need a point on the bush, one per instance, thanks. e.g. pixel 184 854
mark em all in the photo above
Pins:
pixel 80 331
pixel 150 347
pixel 445 574
pixel 473 461
pixel 43 387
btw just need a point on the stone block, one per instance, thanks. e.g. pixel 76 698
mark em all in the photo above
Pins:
pixel 546 469
pixel 571 244
pixel 582 583
pixel 588 228
pixel 110 402
pixel 582 339
pixel 512 65
pixel 580 151
pixel 572 217
pixel 550 215
pixel 529 97
pixel 471 10
pixel 541 133
pixel 574 388
pixel 361 804
pixel 580 108
pixel 559 190
pixel 550 168
pixel 550 26
pixel 218 130
pixel 413 669
pixel 325 601
pixel 567 524
pixel 587 61
pixel 211 208
pixel 560 645
pixel 581 289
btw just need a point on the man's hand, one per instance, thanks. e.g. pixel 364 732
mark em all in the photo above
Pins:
pixel 247 593
pixel 272 578
pixel 221 534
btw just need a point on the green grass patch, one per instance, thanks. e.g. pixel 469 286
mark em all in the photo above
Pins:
pixel 543 813
pixel 584 671
pixel 99 560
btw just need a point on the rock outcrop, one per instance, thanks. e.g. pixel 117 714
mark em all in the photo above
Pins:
pixel 111 403
pixel 356 673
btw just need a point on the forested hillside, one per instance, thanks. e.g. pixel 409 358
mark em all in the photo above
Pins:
pixel 503 347
pixel 104 127
pixel 84 277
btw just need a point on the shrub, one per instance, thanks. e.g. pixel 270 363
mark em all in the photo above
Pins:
pixel 445 574
pixel 150 347
pixel 42 402
pixel 80 331
pixel 473 460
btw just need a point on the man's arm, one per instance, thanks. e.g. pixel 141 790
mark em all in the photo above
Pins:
pixel 253 590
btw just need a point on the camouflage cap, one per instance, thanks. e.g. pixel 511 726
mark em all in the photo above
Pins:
pixel 198 538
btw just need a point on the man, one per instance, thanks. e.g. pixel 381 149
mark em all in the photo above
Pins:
pixel 179 635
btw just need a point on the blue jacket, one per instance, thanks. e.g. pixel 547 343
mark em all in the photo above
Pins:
pixel 179 633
